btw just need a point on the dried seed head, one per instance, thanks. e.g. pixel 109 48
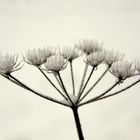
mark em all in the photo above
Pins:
pixel 70 53
pixel 137 66
pixel 8 64
pixel 38 56
pixel 89 46
pixel 96 58
pixel 122 69
pixel 55 63
pixel 111 57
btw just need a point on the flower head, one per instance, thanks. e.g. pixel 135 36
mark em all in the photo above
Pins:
pixel 70 53
pixel 96 58
pixel 122 69
pixel 89 46
pixel 8 64
pixel 137 66
pixel 111 57
pixel 38 57
pixel 55 63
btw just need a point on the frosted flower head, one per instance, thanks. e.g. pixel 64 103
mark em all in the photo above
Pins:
pixel 70 53
pixel 89 46
pixel 55 63
pixel 38 56
pixel 96 58
pixel 137 66
pixel 73 99
pixel 8 64
pixel 111 57
pixel 122 70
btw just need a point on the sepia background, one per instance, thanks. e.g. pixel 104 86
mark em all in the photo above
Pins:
pixel 28 24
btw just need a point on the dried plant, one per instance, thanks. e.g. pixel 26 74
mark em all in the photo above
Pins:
pixel 93 55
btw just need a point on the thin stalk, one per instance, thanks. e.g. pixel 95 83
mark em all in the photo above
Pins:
pixel 58 81
pixel 52 83
pixel 83 78
pixel 64 88
pixel 97 97
pixel 80 94
pixel 77 122
pixel 92 87
pixel 35 92
pixel 72 77
pixel 117 92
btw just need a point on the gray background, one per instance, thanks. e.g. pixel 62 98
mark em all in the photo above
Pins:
pixel 26 24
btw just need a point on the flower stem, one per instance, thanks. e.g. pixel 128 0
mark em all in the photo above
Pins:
pixel 77 122
pixel 62 83
pixel 83 78
pixel 101 95
pixel 95 84
pixel 72 77
pixel 16 81
pixel 52 83
pixel 82 90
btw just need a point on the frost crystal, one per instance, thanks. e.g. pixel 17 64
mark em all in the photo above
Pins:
pixel 122 69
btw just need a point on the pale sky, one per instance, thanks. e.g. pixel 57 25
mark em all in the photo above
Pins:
pixel 26 24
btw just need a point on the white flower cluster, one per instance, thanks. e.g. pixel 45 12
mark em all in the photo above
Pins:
pixel 58 60
pixel 70 53
pixel 96 58
pixel 38 57
pixel 111 57
pixel 89 46
pixel 8 64
pixel 137 65
pixel 55 63
pixel 122 69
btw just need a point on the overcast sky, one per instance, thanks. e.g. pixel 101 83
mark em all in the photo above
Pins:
pixel 26 24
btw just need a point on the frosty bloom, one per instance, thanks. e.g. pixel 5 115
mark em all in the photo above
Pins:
pixel 8 64
pixel 122 69
pixel 111 57
pixel 73 99
pixel 38 57
pixel 137 65
pixel 89 46
pixel 55 63
pixel 70 53
pixel 96 58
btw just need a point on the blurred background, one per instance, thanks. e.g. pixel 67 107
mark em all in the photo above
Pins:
pixel 28 24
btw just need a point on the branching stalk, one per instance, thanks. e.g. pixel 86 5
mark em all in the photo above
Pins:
pixel 52 83
pixel 92 87
pixel 83 78
pixel 64 88
pixel 120 91
pixel 35 92
pixel 80 94
pixel 97 97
